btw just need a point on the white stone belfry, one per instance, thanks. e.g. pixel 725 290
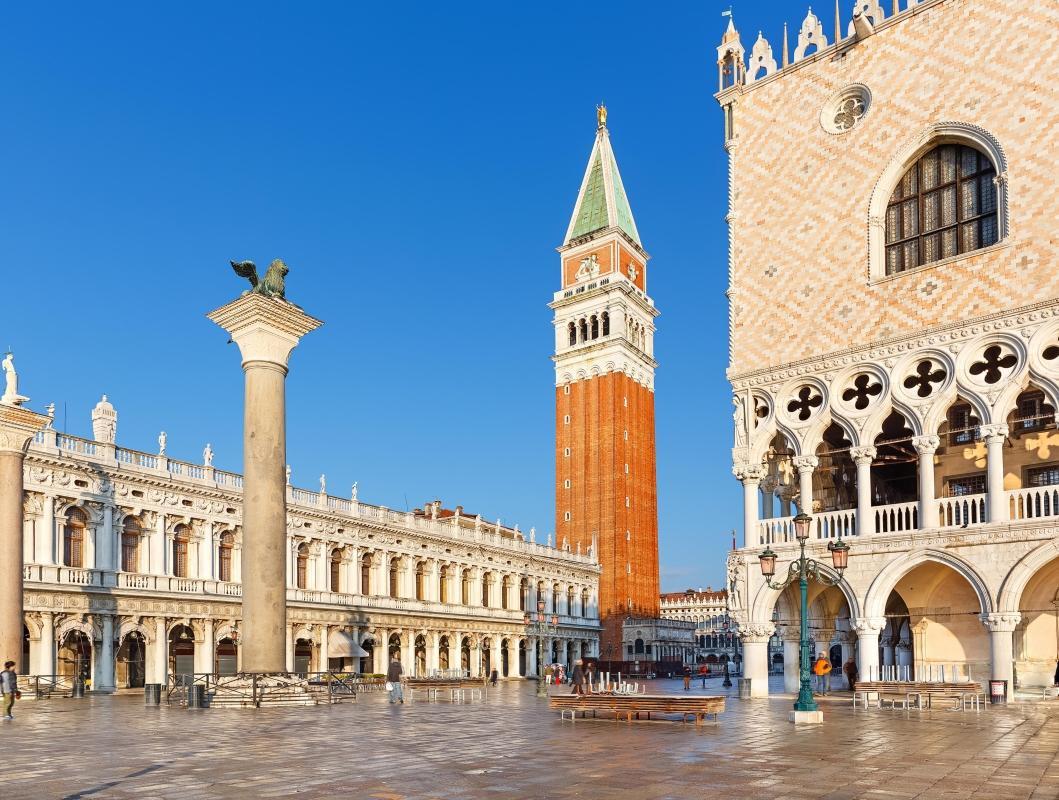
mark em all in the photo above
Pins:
pixel 267 331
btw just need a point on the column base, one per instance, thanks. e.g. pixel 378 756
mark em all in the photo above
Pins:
pixel 805 717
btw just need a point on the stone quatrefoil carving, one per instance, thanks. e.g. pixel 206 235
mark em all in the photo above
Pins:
pixel 925 378
pixel 993 364
pixel 761 412
pixel 862 391
pixel 806 401
pixel 849 113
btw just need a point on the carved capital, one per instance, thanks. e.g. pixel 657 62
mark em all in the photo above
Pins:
pixel 749 473
pixel 869 626
pixel 768 484
pixel 926 445
pixel 862 455
pixel 757 632
pixel 994 432
pixel 17 427
pixel 1004 622
pixel 805 463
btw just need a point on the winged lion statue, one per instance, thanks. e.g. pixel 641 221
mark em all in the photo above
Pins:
pixel 271 286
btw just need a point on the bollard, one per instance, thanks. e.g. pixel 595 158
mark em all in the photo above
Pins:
pixel 196 695
pixel 152 694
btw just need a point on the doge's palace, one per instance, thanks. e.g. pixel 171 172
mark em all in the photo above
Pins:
pixel 894 334
pixel 133 561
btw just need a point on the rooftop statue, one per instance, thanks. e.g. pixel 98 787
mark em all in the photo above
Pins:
pixel 271 286
pixel 11 397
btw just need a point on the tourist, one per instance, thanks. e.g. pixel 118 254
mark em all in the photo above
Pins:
pixel 9 688
pixel 393 680
pixel 578 678
pixel 494 676
pixel 822 670
pixel 687 678
pixel 548 672
pixel 703 672
pixel 850 668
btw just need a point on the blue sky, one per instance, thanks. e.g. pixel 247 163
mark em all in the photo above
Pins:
pixel 416 165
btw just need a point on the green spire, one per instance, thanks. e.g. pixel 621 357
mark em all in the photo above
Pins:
pixel 602 202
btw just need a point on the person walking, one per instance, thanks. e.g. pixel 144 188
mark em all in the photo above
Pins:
pixel 393 678
pixel 822 670
pixel 494 676
pixel 703 672
pixel 9 688
pixel 578 678
pixel 687 678
pixel 850 668
pixel 590 676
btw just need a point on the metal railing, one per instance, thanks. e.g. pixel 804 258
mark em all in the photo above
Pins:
pixel 256 688
pixel 43 687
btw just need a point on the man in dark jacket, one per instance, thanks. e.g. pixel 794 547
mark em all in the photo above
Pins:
pixel 393 677
pixel 578 678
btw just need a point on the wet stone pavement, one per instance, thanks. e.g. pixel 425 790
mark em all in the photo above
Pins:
pixel 511 746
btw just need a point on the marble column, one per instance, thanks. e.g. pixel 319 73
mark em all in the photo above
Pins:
pixel 161 652
pixel 103 663
pixel 926 446
pixel 380 653
pixel 46 657
pixel 206 652
pixel 755 636
pixel 323 659
pixel 531 656
pixel 288 649
pixel 791 665
pixel 512 658
pixel 805 466
pixel 266 330
pixel 996 498
pixel 17 427
pixel 868 630
pixel 750 476
pixel 46 540
pixel 408 652
pixel 1001 643
pixel 863 458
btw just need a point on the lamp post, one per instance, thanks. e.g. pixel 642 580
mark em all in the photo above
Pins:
pixel 727 673
pixel 537 628
pixel 802 570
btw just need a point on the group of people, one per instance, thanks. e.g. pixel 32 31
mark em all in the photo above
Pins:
pixel 822 670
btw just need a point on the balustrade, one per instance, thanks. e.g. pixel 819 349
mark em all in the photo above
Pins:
pixel 961 511
pixel 1034 502
pixel 896 517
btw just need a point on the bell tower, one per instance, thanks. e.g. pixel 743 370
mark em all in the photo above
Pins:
pixel 605 486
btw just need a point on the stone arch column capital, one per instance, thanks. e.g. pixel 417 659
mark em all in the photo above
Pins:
pixel 1002 621
pixel 861 455
pixel 926 445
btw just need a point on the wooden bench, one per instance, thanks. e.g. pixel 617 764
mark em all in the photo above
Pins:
pixel 917 694
pixel 458 688
pixel 626 705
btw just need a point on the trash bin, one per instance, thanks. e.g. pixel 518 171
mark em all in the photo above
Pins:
pixel 196 695
pixel 152 694
pixel 78 689
pixel 998 692
pixel 744 688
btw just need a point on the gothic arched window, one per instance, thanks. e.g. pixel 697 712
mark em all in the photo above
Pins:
pixel 944 205
pixel 594 322
pixel 606 323
pixel 571 331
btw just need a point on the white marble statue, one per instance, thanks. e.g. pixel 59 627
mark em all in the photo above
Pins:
pixel 207 455
pixel 323 484
pixel 162 440
pixel 50 409
pixel 11 397
pixel 287 472
pixel 353 492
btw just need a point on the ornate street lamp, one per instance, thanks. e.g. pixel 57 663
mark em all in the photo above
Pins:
pixel 804 569
pixel 537 629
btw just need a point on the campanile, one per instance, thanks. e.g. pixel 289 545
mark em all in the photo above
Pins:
pixel 605 486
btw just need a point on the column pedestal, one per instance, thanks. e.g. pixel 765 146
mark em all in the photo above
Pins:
pixel 266 330
pixel 17 427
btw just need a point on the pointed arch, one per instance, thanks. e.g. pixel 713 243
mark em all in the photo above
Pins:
pixel 889 576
